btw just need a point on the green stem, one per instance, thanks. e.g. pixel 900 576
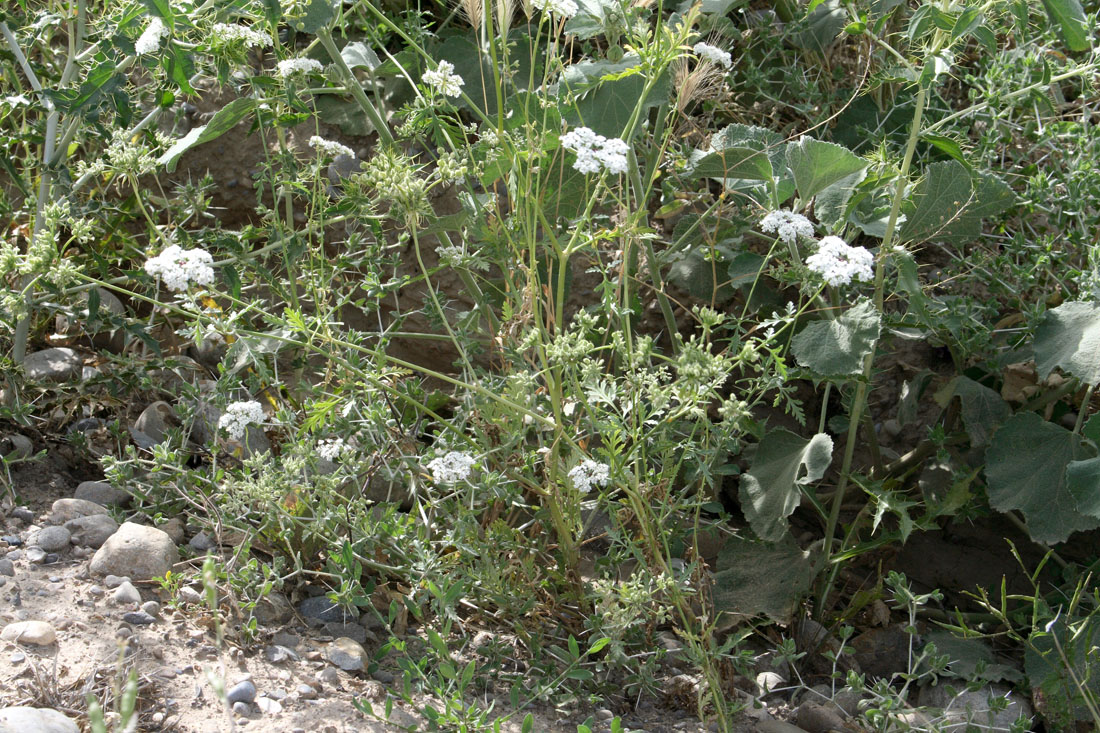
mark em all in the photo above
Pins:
pixel 352 84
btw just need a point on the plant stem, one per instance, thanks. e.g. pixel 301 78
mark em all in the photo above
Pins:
pixel 384 134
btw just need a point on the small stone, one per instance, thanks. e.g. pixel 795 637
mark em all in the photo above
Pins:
pixel 138 618
pixel 17 657
pixel 39 720
pixel 323 609
pixel 201 542
pixel 384 676
pixel 351 631
pixel 12 540
pixel 53 539
pixel 156 420
pixel 36 555
pixel 152 608
pixel 7 567
pixel 241 708
pixel 96 590
pixel 244 691
pixel 973 710
pixel 305 692
pixel 287 639
pixel 126 594
pixel 329 676
pixel 189 595
pixel 136 550
pixel 768 682
pixel 273 609
pixel 268 706
pixel 16 446
pixel 776 726
pixel 347 654
pixel 102 493
pixel 277 654
pixel 91 531
pixel 23 514
pixel 51 558
pixel 114 581
pixel 65 509
pixel 52 365
pixel 604 714
pixel 29 632
pixel 174 529
pixel 814 718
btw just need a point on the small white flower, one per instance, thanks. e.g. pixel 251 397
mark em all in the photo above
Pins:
pixel 596 151
pixel 16 100
pixel 332 448
pixel 444 80
pixel 839 264
pixel 238 416
pixel 150 39
pixel 589 473
pixel 714 55
pixel 180 267
pixel 560 8
pixel 330 147
pixel 451 467
pixel 787 225
pixel 232 33
pixel 290 67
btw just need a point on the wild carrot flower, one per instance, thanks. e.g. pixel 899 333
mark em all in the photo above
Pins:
pixel 839 264
pixel 596 151
pixel 443 79
pixel 178 267
pixel 589 473
pixel 713 54
pixel 232 33
pixel 238 416
pixel 330 147
pixel 451 467
pixel 290 67
pixel 332 448
pixel 787 225
pixel 151 38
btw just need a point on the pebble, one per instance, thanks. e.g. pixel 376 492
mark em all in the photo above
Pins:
pixel 136 550
pixel 277 654
pixel 323 609
pixel 201 543
pixel 16 446
pixel 329 676
pixel 972 710
pixel 12 540
pixel 64 510
pixel 29 632
pixel 58 364
pixel 102 493
pixel 269 706
pixel 114 581
pixel 96 590
pixel 156 420
pixel 383 676
pixel 23 514
pixel 305 692
pixel 244 691
pixel 241 708
pixel 352 631
pixel 138 618
pixel 347 654
pixel 39 720
pixel 17 657
pixel 815 718
pixel 7 567
pixel 187 594
pixel 767 682
pixel 91 531
pixel 777 726
pixel 126 594
pixel 152 608
pixel 287 639
pixel 36 555
pixel 53 539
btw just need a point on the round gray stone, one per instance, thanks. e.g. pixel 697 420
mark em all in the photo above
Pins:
pixel 39 720
pixel 244 691
pixel 53 539
pixel 91 531
pixel 136 550
pixel 347 654
pixel 58 364
pixel 103 493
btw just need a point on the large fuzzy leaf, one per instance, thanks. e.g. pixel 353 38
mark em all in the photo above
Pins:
pixel 772 489
pixel 1026 470
pixel 983 409
pixel 1069 337
pixel 949 204
pixel 837 348
pixel 816 165
pixel 763 578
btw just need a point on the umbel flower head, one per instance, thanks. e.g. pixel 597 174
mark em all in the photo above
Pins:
pixel 178 267
pixel 238 416
pixel 290 67
pixel 713 54
pixel 787 225
pixel 443 79
pixel 150 39
pixel 589 473
pixel 839 264
pixel 451 467
pixel 232 33
pixel 596 151
pixel 330 147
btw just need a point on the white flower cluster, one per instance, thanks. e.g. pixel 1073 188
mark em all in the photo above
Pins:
pixel 238 416
pixel 839 264
pixel 596 151
pixel 290 67
pixel 787 225
pixel 330 147
pixel 332 448
pixel 713 54
pixel 560 8
pixel 150 39
pixel 232 33
pixel 451 467
pixel 589 473
pixel 179 267
pixel 444 80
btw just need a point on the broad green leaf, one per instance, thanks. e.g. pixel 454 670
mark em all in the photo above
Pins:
pixel 608 107
pixel 318 15
pixel 983 409
pixel 343 112
pixel 756 578
pixel 591 18
pixel 224 120
pixel 744 268
pixel 1068 337
pixel 1083 484
pixel 822 26
pixel 772 489
pixel 836 348
pixel 1026 470
pixel 699 271
pixel 1070 18
pixel 1056 670
pixel 949 204
pixel 816 165
pixel 946 145
pixel 971 659
pixel 359 55
pixel 831 204
pixel 733 162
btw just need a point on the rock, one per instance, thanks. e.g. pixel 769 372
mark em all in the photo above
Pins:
pixel 138 618
pixel 347 654
pixel 287 639
pixel 23 514
pixel 384 676
pixel 152 608
pixel 268 706
pixel 815 718
pixel 189 595
pixel 12 540
pixel 64 510
pixel 767 682
pixel 53 539
pixel 244 691
pixel 126 594
pixel 273 609
pixel 38 720
pixel 35 555
pixel 882 652
pixel 971 711
pixel 201 542
pixel 328 676
pixel 156 420
pixel 242 709
pixel 91 531
pixel 16 446
pixel 114 581
pixel 355 632
pixel 276 654
pixel 102 493
pixel 7 567
pixel 29 632
pixel 52 365
pixel 323 609
pixel 136 550
pixel 305 692
pixel 174 529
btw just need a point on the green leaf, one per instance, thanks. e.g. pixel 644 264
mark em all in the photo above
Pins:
pixel 971 659
pixel 822 26
pixel 1026 470
pixel 598 645
pixel 528 723
pixel 983 409
pixel 1068 337
pixel 837 348
pixel 744 268
pixel 768 578
pixel 949 204
pixel 816 165
pixel 1083 484
pixel 831 204
pixel 946 145
pixel 359 55
pixel 967 22
pixel 772 489
pixel 1070 18
pixel 343 112
pixel 591 18
pixel 1057 671
pixel 318 15
pixel 740 152
pixel 224 120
